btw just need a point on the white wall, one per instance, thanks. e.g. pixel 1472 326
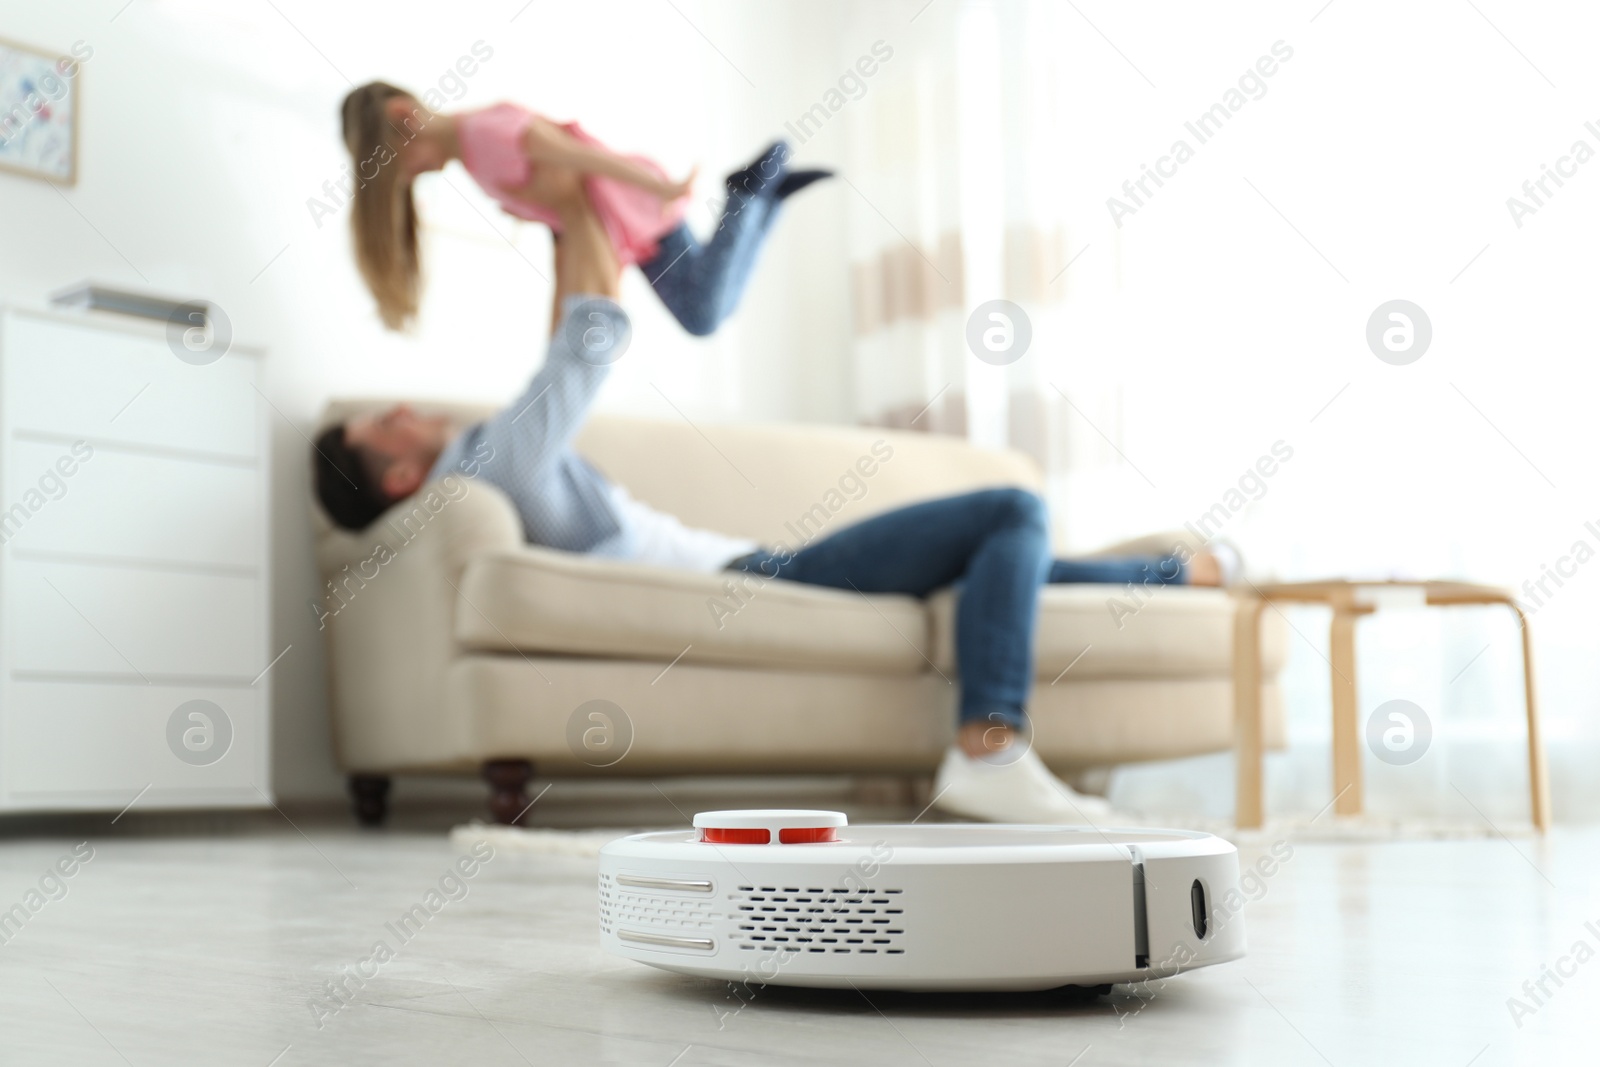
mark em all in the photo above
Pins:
pixel 206 128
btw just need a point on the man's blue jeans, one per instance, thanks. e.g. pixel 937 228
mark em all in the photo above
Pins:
pixel 995 544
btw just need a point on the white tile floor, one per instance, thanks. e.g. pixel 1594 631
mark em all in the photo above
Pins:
pixel 195 949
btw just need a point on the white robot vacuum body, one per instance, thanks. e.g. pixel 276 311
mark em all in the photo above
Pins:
pixel 801 898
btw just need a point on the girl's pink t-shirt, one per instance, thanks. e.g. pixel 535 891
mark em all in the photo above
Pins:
pixel 493 150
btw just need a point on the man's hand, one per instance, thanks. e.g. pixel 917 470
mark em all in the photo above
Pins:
pixel 670 191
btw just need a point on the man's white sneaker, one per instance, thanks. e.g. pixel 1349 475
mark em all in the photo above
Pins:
pixel 1021 791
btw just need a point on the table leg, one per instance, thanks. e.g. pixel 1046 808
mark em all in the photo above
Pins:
pixel 1538 783
pixel 1247 740
pixel 1346 715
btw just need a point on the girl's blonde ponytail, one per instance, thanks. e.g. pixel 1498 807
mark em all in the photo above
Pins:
pixel 383 221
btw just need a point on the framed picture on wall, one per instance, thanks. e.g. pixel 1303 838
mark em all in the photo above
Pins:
pixel 39 111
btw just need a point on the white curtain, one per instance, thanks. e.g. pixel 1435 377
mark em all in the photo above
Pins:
pixel 960 166
pixel 906 248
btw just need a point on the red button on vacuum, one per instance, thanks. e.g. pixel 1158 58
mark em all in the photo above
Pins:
pixel 793 835
pixel 805 835
pixel 793 827
pixel 726 835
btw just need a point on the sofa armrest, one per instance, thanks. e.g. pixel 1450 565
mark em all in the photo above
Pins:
pixel 456 519
pixel 388 610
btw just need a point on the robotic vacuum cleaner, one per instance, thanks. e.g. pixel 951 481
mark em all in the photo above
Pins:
pixel 802 898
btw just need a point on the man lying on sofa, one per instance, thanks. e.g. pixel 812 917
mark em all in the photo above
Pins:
pixel 994 542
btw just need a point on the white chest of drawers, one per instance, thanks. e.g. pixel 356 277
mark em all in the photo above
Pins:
pixel 133 570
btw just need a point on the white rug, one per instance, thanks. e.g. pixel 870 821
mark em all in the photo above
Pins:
pixel 513 839
pixel 1372 829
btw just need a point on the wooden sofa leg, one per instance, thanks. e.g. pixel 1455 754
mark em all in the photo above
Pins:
pixel 369 798
pixel 508 781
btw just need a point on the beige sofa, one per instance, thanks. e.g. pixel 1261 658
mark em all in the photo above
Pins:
pixel 455 647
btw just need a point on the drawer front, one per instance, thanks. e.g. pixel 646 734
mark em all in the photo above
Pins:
pixel 139 622
pixel 71 380
pixel 131 506
pixel 83 745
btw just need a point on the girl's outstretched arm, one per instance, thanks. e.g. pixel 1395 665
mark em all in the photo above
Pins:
pixel 547 142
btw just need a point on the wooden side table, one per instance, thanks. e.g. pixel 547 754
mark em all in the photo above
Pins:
pixel 1349 601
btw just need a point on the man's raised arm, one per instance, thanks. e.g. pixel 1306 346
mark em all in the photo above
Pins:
pixel 589 332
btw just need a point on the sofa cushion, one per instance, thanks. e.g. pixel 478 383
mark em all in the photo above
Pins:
pixel 705 719
pixel 536 600
pixel 1177 631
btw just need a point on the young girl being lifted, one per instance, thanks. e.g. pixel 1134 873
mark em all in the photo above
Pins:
pixel 530 165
